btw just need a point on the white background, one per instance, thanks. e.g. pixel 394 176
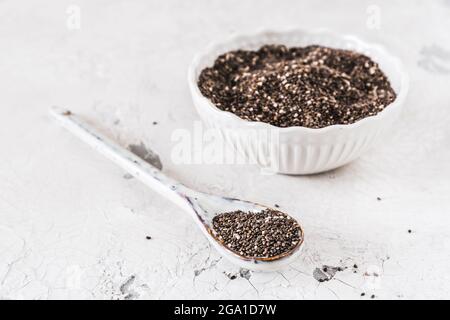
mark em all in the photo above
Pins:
pixel 73 225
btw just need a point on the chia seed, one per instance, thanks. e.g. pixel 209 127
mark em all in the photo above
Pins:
pixel 311 86
pixel 265 234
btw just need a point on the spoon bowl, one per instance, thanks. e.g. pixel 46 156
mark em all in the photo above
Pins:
pixel 203 207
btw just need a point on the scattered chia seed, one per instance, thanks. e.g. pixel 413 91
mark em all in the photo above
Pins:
pixel 363 294
pixel 378 198
pixel 409 231
pixel 311 86
pixel 265 234
pixel 230 276
pixel 148 238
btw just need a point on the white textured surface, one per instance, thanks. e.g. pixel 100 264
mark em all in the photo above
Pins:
pixel 71 225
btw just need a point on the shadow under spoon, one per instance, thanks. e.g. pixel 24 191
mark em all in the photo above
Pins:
pixel 202 207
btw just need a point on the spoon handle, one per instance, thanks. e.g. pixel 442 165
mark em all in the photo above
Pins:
pixel 133 164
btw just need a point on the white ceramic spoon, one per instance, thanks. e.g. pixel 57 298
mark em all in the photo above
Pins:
pixel 203 207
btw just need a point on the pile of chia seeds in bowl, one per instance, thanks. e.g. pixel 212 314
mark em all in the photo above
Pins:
pixel 265 234
pixel 311 86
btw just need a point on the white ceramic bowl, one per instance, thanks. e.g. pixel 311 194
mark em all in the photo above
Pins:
pixel 300 150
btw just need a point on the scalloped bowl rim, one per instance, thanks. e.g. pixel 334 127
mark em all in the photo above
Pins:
pixel 397 103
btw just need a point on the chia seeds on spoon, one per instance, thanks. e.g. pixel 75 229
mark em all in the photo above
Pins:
pixel 265 234
pixel 311 86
